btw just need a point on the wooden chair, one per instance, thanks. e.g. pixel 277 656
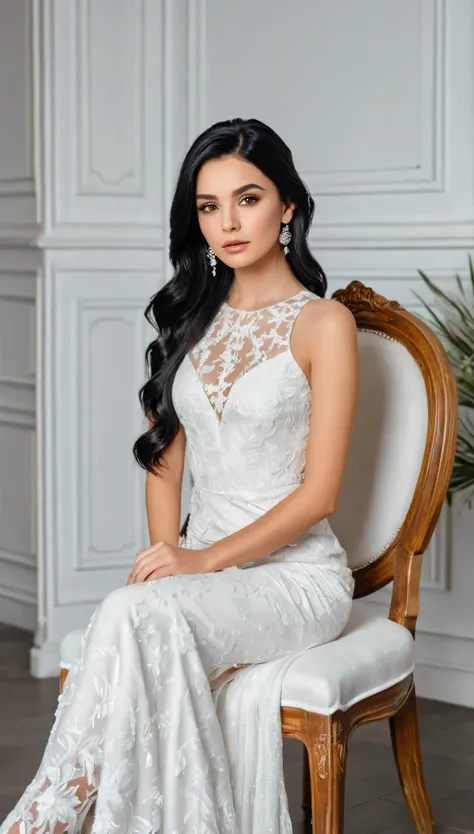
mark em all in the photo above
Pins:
pixel 395 484
pixel 396 481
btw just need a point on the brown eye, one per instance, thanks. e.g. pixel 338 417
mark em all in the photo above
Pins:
pixel 250 197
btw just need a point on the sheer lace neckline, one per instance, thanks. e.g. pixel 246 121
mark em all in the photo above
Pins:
pixel 268 307
pixel 239 340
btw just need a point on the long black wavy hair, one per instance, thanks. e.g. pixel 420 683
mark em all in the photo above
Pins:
pixel 182 310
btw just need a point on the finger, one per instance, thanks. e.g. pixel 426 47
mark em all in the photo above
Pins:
pixel 152 549
pixel 140 562
pixel 159 573
pixel 153 562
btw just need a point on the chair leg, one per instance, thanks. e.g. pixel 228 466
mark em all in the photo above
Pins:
pixel 406 748
pixel 63 673
pixel 326 743
pixel 306 804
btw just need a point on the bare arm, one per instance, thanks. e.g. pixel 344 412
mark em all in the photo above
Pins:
pixel 331 334
pixel 163 493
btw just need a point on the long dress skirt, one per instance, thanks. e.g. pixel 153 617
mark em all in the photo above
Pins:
pixel 158 720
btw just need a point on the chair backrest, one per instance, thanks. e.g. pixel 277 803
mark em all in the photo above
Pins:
pixel 402 450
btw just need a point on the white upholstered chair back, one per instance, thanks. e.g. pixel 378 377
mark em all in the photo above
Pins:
pixel 386 451
pixel 402 449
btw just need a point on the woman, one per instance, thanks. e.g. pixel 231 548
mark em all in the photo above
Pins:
pixel 170 718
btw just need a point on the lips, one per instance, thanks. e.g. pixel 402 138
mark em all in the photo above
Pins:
pixel 235 248
pixel 235 243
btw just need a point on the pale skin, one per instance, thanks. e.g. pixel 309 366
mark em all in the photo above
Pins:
pixel 324 344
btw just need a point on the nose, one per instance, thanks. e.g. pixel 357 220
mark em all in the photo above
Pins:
pixel 229 219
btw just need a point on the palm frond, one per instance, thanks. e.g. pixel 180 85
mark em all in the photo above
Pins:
pixel 447 299
pixel 452 317
pixel 471 272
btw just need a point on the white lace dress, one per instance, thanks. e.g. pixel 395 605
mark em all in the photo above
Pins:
pixel 166 738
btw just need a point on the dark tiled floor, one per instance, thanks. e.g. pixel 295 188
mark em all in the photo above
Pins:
pixel 374 802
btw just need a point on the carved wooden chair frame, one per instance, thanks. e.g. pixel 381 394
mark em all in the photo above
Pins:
pixel 325 736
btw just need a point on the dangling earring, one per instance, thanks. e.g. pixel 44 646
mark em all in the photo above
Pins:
pixel 285 237
pixel 212 259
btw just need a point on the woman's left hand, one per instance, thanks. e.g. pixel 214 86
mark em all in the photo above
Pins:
pixel 163 559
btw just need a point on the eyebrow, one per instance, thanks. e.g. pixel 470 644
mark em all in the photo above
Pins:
pixel 234 193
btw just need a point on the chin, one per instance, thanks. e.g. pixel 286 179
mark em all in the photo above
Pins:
pixel 241 259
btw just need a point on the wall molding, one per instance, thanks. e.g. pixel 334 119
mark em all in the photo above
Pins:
pixel 89 314
pixel 81 293
pixel 17 185
pixel 443 234
pixel 428 175
pixel 74 236
pixel 19 181
pixel 21 419
pixel 87 199
pixel 17 594
pixel 372 235
pixel 18 613
pixel 14 235
pixel 93 180
pixel 26 560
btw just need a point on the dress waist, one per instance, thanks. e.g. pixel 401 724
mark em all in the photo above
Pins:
pixel 215 514
pixel 251 495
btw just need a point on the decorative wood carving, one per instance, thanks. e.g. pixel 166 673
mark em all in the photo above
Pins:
pixel 357 297
pixel 327 744
pixel 339 742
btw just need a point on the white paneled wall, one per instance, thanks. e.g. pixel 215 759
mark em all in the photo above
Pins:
pixel 17 203
pixel 18 268
pixel 95 337
pixel 375 99
pixel 102 237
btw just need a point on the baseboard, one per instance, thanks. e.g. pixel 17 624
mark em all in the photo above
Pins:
pixel 452 686
pixel 445 668
pixel 44 661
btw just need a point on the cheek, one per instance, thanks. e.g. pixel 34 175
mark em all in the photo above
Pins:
pixel 265 224
pixel 209 225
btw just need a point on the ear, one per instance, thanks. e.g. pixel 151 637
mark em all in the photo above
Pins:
pixel 288 213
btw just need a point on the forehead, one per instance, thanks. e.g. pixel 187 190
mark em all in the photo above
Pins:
pixel 222 175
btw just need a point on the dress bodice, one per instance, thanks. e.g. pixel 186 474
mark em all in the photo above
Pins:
pixel 245 404
pixel 240 340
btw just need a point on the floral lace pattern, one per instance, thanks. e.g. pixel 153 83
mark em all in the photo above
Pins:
pixel 238 340
pixel 139 717
pixel 161 720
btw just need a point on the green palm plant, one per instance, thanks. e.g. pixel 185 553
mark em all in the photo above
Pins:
pixel 453 321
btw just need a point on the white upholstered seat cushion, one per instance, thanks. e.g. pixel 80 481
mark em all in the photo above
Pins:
pixel 371 655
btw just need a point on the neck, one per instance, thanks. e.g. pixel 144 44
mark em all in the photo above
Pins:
pixel 263 282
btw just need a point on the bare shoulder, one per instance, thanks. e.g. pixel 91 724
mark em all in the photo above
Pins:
pixel 329 310
pixel 324 317
pixel 325 326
